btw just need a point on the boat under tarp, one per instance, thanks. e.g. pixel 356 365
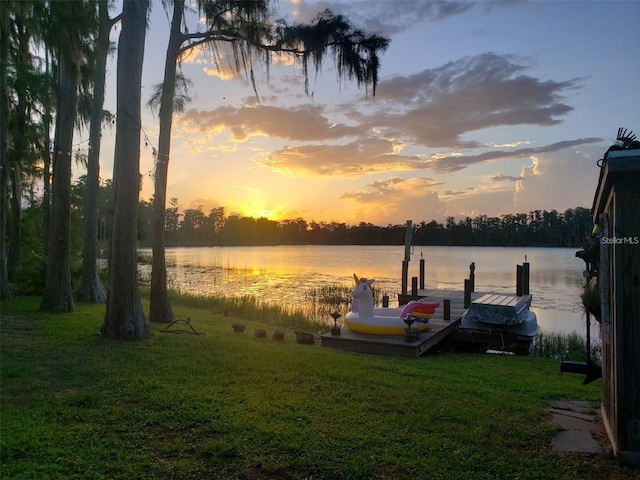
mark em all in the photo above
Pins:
pixel 501 314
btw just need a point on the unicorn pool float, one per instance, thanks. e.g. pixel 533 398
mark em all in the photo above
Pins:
pixel 364 318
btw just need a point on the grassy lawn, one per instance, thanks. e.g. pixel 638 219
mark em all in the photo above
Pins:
pixel 232 406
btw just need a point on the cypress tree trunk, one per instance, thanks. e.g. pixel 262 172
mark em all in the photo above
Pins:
pixel 58 296
pixel 160 308
pixel 124 318
pixel 5 286
pixel 20 148
pixel 46 159
pixel 91 288
pixel 15 219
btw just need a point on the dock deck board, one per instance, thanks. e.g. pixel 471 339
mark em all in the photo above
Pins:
pixel 395 345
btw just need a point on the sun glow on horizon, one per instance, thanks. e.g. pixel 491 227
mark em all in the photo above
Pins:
pixel 253 210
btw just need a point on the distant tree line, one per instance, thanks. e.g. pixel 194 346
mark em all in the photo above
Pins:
pixel 536 228
pixel 192 227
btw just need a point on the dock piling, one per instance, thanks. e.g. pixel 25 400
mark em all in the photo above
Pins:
pixel 446 310
pixel 472 276
pixel 407 256
pixel 522 278
pixel 467 293
pixel 405 276
pixel 519 278
pixel 525 278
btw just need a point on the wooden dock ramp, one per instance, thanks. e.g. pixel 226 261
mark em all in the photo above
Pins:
pixel 395 345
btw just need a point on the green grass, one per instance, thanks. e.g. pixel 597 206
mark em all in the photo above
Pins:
pixel 232 406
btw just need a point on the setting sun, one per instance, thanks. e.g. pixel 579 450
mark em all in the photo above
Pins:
pixel 254 210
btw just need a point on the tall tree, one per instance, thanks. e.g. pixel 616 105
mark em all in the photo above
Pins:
pixel 23 86
pixel 5 286
pixel 91 288
pixel 124 318
pixel 251 30
pixel 72 27
pixel 45 151
pixel 20 151
pixel 23 132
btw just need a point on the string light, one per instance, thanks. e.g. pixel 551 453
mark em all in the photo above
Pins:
pixel 158 158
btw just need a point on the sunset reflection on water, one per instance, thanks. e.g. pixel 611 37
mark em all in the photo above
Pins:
pixel 286 275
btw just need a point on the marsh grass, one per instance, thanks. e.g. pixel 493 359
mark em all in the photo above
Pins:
pixel 252 308
pixel 313 316
pixel 561 346
pixel 232 406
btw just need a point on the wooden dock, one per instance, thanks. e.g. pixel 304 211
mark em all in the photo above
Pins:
pixel 395 345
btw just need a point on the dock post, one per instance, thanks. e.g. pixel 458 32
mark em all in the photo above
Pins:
pixel 405 276
pixel 407 255
pixel 422 274
pixel 446 315
pixel 519 280
pixel 467 293
pixel 525 278
pixel 414 288
pixel 385 301
pixel 472 276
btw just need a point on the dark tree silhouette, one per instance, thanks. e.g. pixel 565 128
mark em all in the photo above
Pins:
pixel 253 33
pixel 72 42
pixel 124 318
pixel 91 288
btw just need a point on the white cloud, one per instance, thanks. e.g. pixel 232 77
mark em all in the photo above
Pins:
pixel 385 200
pixel 440 105
pixel 564 179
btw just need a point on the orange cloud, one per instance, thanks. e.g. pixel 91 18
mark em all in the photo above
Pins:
pixel 367 156
pixel 303 123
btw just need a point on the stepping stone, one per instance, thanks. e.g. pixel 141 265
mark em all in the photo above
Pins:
pixel 574 405
pixel 575 441
pixel 578 419
pixel 569 422
pixel 567 413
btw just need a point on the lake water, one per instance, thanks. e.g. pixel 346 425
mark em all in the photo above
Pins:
pixel 286 274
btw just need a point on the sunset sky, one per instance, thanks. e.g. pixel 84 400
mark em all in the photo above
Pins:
pixel 482 108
